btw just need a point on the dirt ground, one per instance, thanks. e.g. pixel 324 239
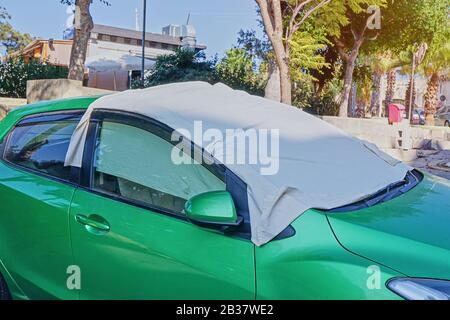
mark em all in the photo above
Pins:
pixel 434 162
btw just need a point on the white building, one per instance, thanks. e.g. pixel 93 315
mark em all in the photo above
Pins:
pixel 111 44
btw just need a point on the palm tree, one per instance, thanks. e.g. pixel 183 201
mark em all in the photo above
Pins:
pixel 412 60
pixel 382 63
pixel 436 67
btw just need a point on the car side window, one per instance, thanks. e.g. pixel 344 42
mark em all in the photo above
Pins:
pixel 136 164
pixel 41 147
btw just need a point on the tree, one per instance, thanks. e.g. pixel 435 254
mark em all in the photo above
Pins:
pixel 381 63
pixel 414 21
pixel 14 74
pixel 83 27
pixel 353 33
pixel 436 66
pixel 282 19
pixel 4 15
pixel 238 70
pixel 183 65
pixel 10 38
pixel 261 50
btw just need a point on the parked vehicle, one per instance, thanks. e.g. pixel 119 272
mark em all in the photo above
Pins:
pixel 418 117
pixel 443 118
pixel 129 238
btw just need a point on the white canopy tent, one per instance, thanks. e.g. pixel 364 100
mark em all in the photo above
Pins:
pixel 320 166
pixel 115 63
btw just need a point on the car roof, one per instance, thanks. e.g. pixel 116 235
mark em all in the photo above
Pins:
pixel 16 114
pixel 54 105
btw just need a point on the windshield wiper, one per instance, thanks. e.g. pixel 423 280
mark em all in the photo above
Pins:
pixel 390 192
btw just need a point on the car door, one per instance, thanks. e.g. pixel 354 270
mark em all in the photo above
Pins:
pixel 130 237
pixel 35 195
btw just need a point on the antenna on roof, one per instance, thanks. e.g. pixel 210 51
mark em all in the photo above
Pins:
pixel 137 20
pixel 188 18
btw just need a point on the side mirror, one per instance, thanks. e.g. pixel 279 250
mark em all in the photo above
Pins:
pixel 212 210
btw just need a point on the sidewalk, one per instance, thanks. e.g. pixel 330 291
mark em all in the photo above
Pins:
pixel 433 162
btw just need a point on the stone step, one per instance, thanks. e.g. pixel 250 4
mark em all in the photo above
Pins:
pixel 402 155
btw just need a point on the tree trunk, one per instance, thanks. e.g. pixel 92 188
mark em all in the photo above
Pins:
pixel 285 84
pixel 348 81
pixel 350 60
pixel 273 90
pixel 431 99
pixel 271 13
pixel 408 107
pixel 375 105
pixel 390 87
pixel 282 58
pixel 80 40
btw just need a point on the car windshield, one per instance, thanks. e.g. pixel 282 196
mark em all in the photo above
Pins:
pixel 412 179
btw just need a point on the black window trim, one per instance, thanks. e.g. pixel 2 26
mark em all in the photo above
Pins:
pixel 34 119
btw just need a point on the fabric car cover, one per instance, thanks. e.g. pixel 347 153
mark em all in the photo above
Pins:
pixel 319 166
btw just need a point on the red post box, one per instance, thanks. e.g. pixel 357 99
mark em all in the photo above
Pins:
pixel 396 113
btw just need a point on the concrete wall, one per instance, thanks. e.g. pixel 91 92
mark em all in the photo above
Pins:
pixel 399 140
pixel 38 90
pixel 12 102
pixel 7 104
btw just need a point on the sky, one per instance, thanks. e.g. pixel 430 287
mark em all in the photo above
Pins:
pixel 217 21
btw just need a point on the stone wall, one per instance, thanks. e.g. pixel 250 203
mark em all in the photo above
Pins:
pixel 38 90
pixel 399 140
pixel 7 104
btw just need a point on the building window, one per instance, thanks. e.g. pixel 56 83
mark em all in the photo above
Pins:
pixel 127 41
pixel 113 39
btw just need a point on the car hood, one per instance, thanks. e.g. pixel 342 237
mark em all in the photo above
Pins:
pixel 410 234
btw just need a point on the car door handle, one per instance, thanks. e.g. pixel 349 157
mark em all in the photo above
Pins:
pixel 93 221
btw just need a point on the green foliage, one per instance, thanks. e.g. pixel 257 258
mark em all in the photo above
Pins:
pixel 437 59
pixel 256 48
pixel 307 47
pixel 339 14
pixel 183 65
pixel 10 38
pixel 15 73
pixel 237 70
pixel 325 102
pixel 414 22
pixel 3 14
pixel 13 40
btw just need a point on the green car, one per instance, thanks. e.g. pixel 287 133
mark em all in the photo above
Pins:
pixel 95 233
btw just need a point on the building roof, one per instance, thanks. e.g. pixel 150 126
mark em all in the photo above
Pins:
pixel 132 34
pixel 37 43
